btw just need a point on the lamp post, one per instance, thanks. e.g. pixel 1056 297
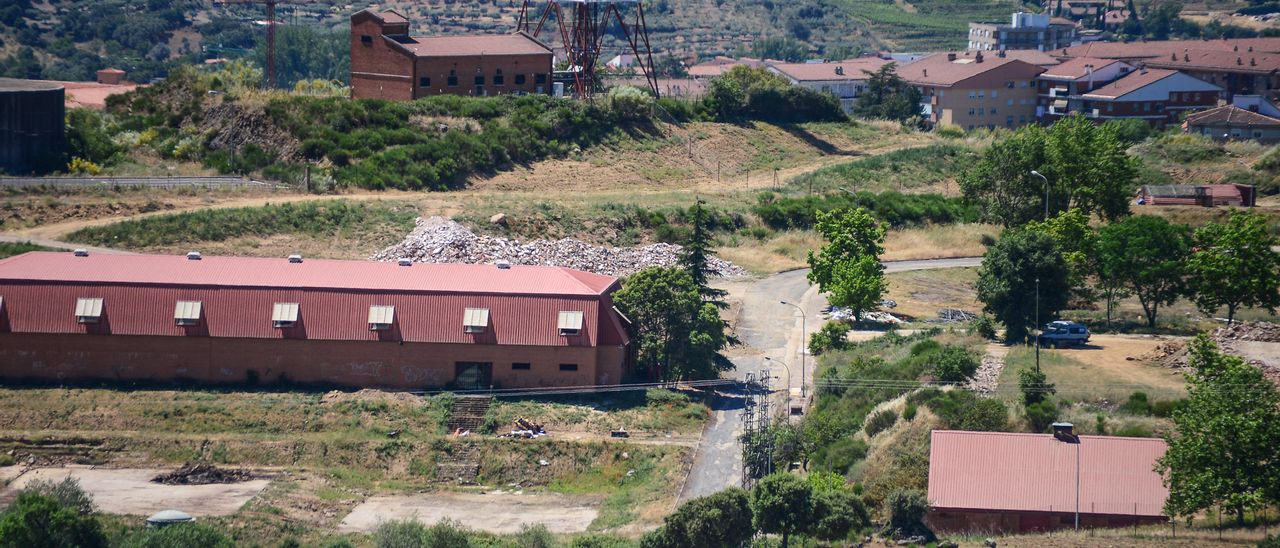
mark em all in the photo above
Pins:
pixel 804 392
pixel 1037 325
pixel 788 368
pixel 1046 192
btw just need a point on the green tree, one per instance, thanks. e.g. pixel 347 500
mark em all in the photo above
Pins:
pixel 1035 386
pixel 953 364
pixel 1007 284
pixel 676 334
pixel 722 519
pixel 848 267
pixel 1223 451
pixel 34 519
pixel 1078 243
pixel 305 52
pixel 1000 184
pixel 696 256
pixel 836 514
pixel 906 509
pixel 88 138
pixel 1146 255
pixel 782 504
pixel 1042 414
pixel 1234 265
pixel 887 96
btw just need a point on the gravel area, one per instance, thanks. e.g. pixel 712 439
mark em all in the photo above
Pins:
pixel 987 376
pixel 440 240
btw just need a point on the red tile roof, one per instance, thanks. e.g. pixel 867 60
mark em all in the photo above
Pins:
pixel 1128 84
pixel 1037 473
pixel 1166 48
pixel 1232 116
pixel 938 70
pixel 721 65
pixel 1033 56
pixel 462 46
pixel 853 69
pixel 1075 69
pixel 139 293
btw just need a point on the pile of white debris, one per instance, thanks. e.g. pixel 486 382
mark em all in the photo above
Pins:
pixel 441 240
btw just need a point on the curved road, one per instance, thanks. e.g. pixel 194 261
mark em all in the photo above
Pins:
pixel 769 328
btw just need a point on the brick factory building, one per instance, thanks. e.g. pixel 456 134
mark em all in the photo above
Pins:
pixel 66 316
pixel 387 63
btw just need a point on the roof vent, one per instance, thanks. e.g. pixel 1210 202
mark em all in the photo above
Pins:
pixel 295 258
pixel 951 56
pixel 81 252
pixel 404 261
pixel 504 265
pixel 1253 61
pixel 925 72
pixel 840 70
pixel 1239 61
pixel 1173 57
pixel 193 256
pixel 1065 432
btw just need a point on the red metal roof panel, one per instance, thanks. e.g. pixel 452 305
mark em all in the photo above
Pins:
pixel 1036 472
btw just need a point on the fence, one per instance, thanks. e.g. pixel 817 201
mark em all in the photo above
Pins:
pixel 140 182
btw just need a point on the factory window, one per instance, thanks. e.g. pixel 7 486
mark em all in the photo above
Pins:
pixel 570 323
pixel 186 313
pixel 520 367
pixel 284 315
pixel 993 111
pixel 475 320
pixel 498 78
pixel 424 81
pixel 568 367
pixel 519 79
pixel 88 310
pixel 479 79
pixel 1009 84
pixel 381 317
pixel 540 78
pixel 366 39
pixel 453 78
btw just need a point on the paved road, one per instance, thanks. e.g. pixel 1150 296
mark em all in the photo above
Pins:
pixel 769 328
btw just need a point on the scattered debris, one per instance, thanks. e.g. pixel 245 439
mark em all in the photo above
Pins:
pixel 1231 339
pixel 527 430
pixel 840 314
pixel 619 433
pixel 440 240
pixel 985 379
pixel 200 473
pixel 949 315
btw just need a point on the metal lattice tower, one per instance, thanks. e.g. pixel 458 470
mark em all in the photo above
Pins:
pixel 582 32
pixel 271 29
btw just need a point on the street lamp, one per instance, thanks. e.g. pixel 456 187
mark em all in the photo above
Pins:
pixel 1046 192
pixel 804 392
pixel 1037 325
pixel 788 368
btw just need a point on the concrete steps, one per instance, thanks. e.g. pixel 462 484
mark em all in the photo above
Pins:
pixel 463 465
pixel 468 413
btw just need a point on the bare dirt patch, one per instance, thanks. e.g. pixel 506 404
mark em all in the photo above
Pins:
pixel 499 512
pixel 920 294
pixel 131 491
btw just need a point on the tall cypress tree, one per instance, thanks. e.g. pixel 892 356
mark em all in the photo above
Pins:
pixel 696 259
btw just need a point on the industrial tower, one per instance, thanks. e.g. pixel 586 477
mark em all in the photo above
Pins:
pixel 582 31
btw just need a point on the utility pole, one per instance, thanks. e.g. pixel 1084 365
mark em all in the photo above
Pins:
pixel 1037 326
pixel 1046 192
pixel 804 392
pixel 271 30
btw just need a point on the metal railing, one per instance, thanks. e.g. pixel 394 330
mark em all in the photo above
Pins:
pixel 143 182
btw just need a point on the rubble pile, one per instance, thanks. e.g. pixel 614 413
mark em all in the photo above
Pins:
pixel 199 473
pixel 1232 339
pixel 440 240
pixel 1248 331
pixel 984 380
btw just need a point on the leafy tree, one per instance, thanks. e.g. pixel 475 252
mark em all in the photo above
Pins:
pixel 836 514
pixel 848 267
pixel 87 137
pixel 1007 281
pixel 906 509
pixel 832 336
pixel 782 504
pixel 722 519
pixel 670 66
pixel 66 492
pixel 1234 265
pixel 1042 414
pixel 1035 386
pixel 1224 449
pixel 1086 165
pixel 34 519
pixel 1147 255
pixel 887 96
pixel 1076 240
pixel 953 364
pixel 677 335
pixel 784 49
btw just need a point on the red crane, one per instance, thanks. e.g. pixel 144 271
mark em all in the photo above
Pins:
pixel 271 29
pixel 582 34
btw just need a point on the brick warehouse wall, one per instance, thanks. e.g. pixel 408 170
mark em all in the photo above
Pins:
pixel 26 356
pixel 378 69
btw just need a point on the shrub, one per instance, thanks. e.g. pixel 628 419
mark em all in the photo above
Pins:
pixel 906 509
pixel 1165 408
pixel 66 492
pixel 181 535
pixel 984 326
pixel 880 422
pixel 896 209
pixel 1035 386
pixel 630 103
pixel 535 536
pixel 1041 415
pixel 598 540
pixel 963 410
pixel 404 533
pixel 843 454
pixel 1135 431
pixel 664 397
pixel 720 519
pixel 925 347
pixel 1137 404
pixel 837 513
pixel 909 413
pixel 832 336
pixel 954 364
pixel 949 131
pixel 34 519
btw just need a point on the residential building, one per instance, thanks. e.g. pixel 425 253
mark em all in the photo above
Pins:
pixel 77 316
pixel 720 65
pixel 1158 96
pixel 1256 103
pixel 844 79
pixel 989 482
pixel 974 90
pixel 1024 31
pixel 1198 195
pixel 388 63
pixel 1230 122
pixel 1061 87
pixel 1247 66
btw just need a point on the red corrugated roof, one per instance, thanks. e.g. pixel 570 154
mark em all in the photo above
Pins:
pixel 139 293
pixel 852 69
pixel 1129 83
pixel 492 44
pixel 1037 473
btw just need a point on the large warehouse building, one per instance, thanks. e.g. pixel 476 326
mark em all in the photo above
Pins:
pixel 74 316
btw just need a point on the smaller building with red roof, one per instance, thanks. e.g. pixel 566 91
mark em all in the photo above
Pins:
pixel 1157 96
pixel 78 316
pixel 1006 482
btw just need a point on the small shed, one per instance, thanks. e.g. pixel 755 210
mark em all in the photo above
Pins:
pixel 1167 195
pixel 1201 195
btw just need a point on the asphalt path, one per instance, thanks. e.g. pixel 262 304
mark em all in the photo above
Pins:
pixel 768 328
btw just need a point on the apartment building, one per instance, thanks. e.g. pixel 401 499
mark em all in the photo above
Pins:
pixel 975 90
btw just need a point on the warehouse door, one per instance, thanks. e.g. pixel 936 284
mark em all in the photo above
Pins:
pixel 473 375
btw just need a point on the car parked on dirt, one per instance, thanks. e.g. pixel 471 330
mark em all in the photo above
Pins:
pixel 1064 334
